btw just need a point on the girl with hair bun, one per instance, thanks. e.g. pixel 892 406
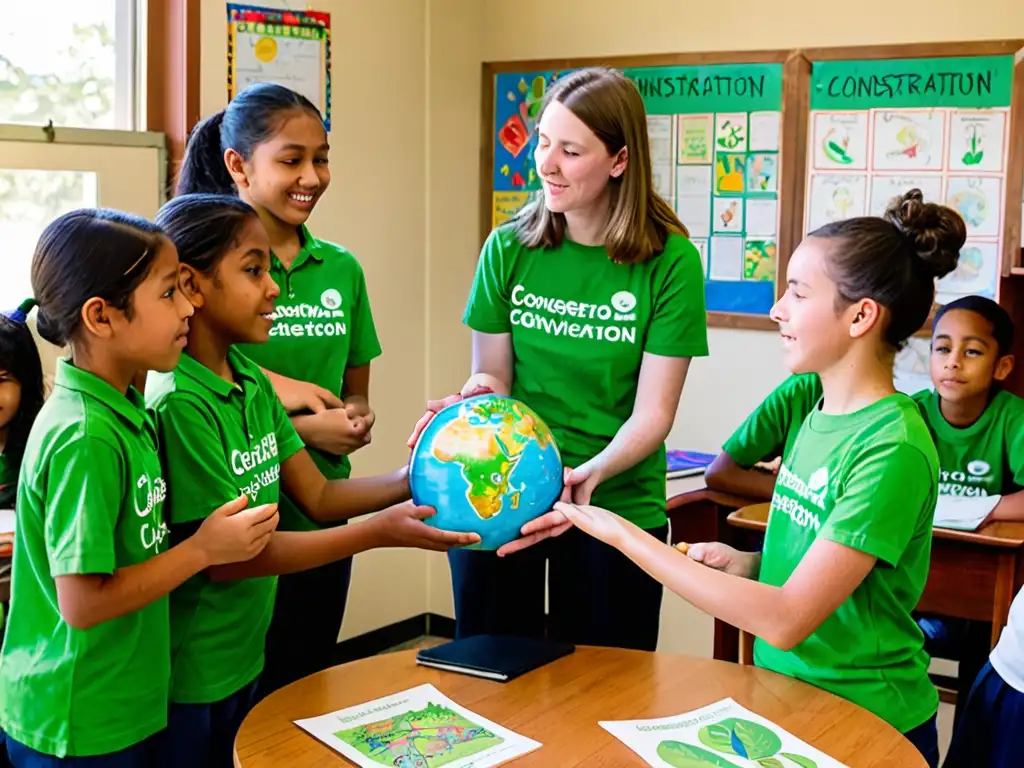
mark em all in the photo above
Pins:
pixel 846 552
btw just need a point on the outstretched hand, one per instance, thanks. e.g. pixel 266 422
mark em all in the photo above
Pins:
pixel 436 406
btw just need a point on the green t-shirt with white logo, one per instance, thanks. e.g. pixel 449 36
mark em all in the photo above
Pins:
pixel 90 501
pixel 866 480
pixel 580 325
pixel 322 326
pixel 218 439
pixel 772 428
pixel 984 459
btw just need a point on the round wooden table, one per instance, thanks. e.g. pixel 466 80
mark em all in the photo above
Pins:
pixel 560 705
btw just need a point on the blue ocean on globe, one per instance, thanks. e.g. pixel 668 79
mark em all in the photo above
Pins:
pixel 487 464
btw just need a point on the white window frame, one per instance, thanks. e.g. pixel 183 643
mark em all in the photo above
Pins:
pixel 127 73
pixel 93 137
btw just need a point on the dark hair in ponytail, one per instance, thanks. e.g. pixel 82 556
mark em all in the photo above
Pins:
pixel 895 259
pixel 250 119
pixel 87 253
pixel 204 227
pixel 20 358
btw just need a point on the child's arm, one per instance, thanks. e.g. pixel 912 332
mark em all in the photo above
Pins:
pixel 761 437
pixel 399 526
pixel 227 535
pixel 327 501
pixel 300 396
pixel 1010 509
pixel 727 476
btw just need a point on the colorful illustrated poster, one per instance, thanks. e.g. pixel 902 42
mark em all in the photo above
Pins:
pixel 715 134
pixel 418 727
pixel 720 734
pixel 880 128
pixel 290 48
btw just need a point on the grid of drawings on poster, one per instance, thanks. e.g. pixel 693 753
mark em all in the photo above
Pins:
pixel 881 127
pixel 715 138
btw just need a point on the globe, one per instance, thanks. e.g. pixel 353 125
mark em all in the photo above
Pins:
pixel 487 464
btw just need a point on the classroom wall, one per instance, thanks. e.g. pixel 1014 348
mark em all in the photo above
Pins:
pixel 405 197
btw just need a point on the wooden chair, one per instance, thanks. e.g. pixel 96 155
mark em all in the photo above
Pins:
pixel 753 517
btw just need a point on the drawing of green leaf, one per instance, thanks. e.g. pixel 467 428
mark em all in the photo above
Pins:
pixel 770 762
pixel 803 762
pixel 717 736
pixel 734 736
pixel 680 755
pixel 758 740
pixel 972 158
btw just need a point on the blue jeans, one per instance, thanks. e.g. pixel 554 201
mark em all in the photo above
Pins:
pixel 990 731
pixel 203 735
pixel 926 738
pixel 142 755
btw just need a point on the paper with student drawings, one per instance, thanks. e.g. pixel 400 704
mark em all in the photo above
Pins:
pixel 722 734
pixel 417 727
pixel 963 513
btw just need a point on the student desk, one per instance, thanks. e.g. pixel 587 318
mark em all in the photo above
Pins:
pixel 560 705
pixel 973 574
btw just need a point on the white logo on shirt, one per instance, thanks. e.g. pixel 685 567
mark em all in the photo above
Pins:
pixel 978 468
pixel 624 301
pixel 557 317
pixel 812 492
pixel 818 480
pixel 969 483
pixel 151 493
pixel 331 298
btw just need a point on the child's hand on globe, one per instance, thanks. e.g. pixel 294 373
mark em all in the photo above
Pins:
pixel 580 483
pixel 553 523
pixel 436 406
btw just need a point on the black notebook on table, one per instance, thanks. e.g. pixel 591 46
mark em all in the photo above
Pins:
pixel 495 657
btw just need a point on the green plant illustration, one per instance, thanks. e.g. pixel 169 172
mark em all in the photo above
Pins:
pixel 800 760
pixel 974 155
pixel 734 736
pixel 680 755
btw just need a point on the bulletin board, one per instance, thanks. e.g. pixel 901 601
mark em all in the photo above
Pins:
pixel 718 131
pixel 881 126
pixel 945 118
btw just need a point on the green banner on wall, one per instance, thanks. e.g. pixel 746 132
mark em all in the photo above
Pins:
pixel 962 81
pixel 709 88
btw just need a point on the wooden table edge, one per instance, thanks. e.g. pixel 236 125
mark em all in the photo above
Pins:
pixel 906 748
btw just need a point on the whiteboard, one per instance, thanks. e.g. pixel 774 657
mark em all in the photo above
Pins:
pixel 294 62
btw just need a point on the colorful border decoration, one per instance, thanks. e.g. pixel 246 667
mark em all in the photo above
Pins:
pixel 278 22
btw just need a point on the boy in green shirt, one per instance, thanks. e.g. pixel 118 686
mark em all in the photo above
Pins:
pixel 222 427
pixel 84 670
pixel 846 553
pixel 978 430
